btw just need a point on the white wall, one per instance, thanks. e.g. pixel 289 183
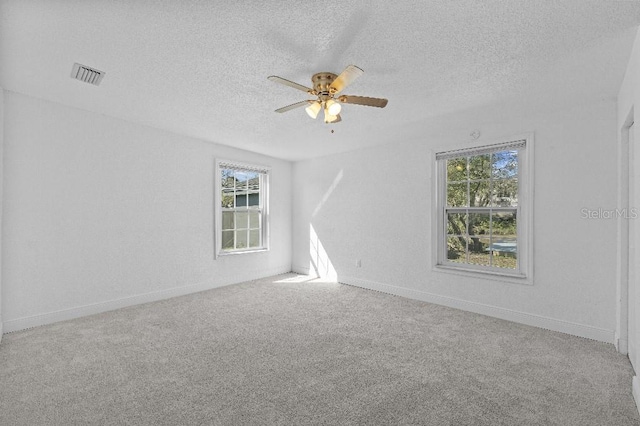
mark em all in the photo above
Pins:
pixel 375 205
pixel 101 213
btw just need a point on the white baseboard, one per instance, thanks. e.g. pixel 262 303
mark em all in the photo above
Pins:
pixel 561 326
pixel 635 391
pixel 109 305
pixel 302 270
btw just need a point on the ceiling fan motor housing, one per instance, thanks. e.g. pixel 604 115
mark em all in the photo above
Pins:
pixel 321 85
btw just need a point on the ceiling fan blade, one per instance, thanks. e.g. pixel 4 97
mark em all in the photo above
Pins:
pixel 363 100
pixel 346 77
pixel 293 106
pixel 289 83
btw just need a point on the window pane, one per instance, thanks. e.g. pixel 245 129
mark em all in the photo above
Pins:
pixel 241 200
pixel 478 224
pixel 242 220
pixel 457 249
pixel 241 239
pixel 254 199
pixel 457 169
pixel 479 250
pixel 504 223
pixel 227 178
pixel 505 192
pixel 254 220
pixel 254 238
pixel 456 223
pixel 457 195
pixel 227 240
pixel 253 181
pixel 504 243
pixel 227 199
pixel 505 252
pixel 227 220
pixel 504 164
pixel 241 181
pixel 480 193
pixel 479 243
pixel 480 167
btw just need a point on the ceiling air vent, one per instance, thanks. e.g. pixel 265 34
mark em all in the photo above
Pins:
pixel 86 74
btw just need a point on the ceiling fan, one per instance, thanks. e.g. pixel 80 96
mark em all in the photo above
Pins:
pixel 326 87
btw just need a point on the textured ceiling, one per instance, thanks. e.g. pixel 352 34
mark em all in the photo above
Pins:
pixel 200 68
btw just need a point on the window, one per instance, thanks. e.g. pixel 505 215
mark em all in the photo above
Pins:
pixel 484 208
pixel 242 208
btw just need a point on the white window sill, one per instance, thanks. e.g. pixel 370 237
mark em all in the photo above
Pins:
pixel 513 278
pixel 235 252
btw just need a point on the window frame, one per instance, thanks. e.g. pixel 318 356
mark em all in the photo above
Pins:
pixel 263 207
pixel 524 211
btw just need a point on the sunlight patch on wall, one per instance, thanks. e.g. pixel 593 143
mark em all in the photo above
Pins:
pixel 320 262
pixel 327 194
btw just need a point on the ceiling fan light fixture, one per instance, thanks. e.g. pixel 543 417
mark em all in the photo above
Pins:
pixel 329 118
pixel 313 109
pixel 333 107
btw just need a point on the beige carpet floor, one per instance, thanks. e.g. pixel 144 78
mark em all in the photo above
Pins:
pixel 284 351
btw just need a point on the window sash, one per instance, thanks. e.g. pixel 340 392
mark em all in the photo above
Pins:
pixel 522 236
pixel 249 231
pixel 493 237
